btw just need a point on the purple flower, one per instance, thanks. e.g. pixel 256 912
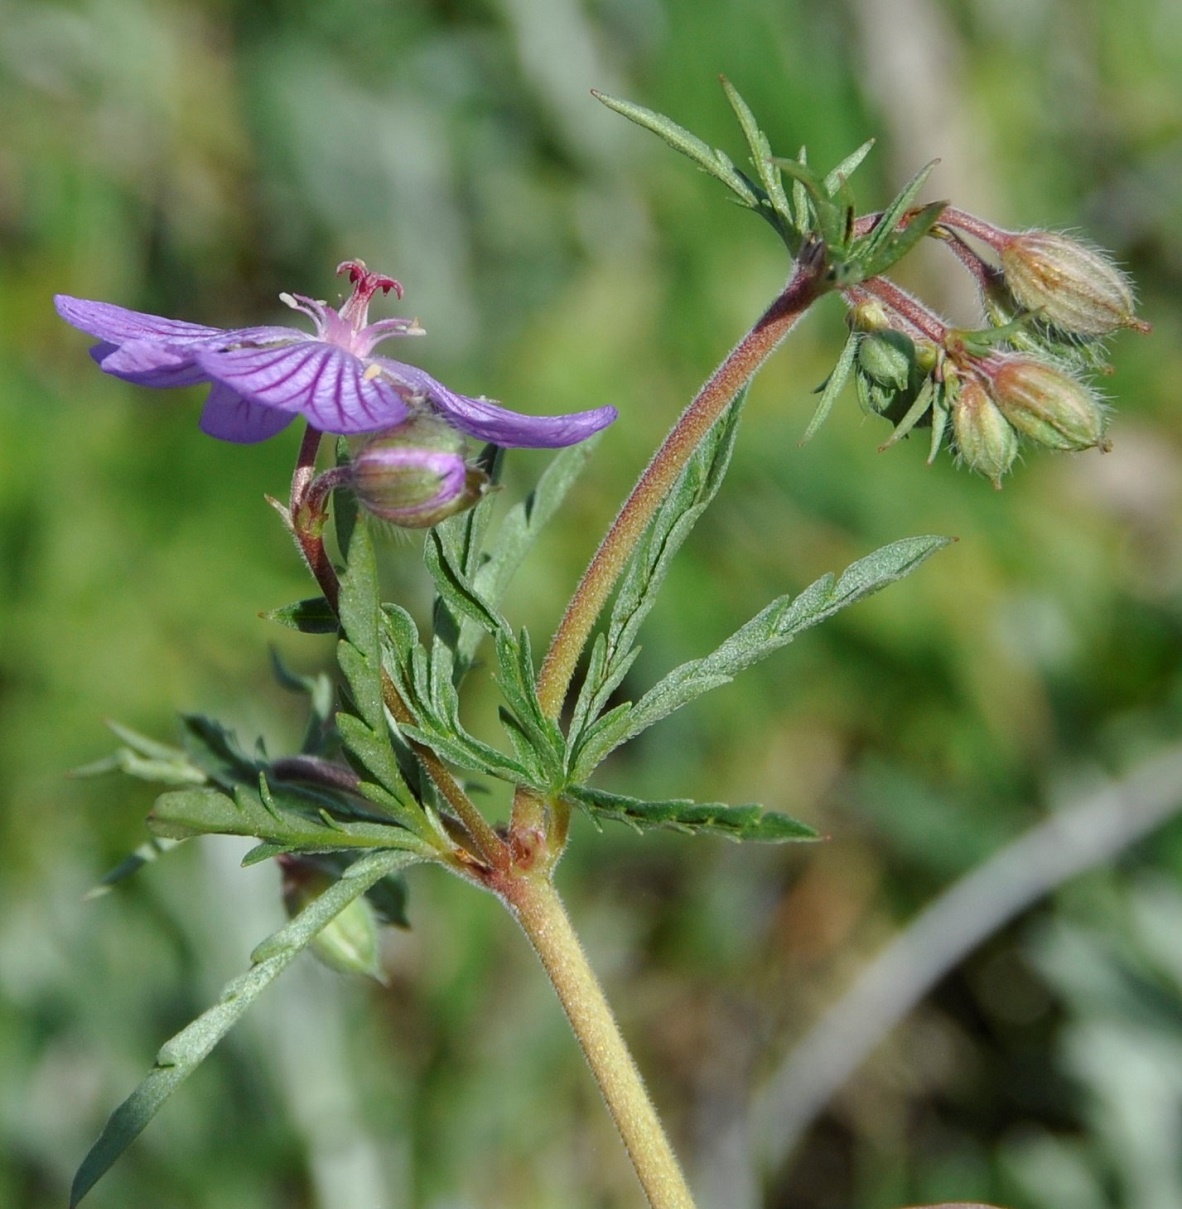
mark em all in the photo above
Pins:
pixel 263 377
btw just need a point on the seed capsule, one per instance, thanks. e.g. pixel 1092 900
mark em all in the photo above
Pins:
pixel 1047 405
pixel 1068 284
pixel 986 442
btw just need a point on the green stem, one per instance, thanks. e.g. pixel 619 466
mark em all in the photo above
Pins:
pixel 803 288
pixel 535 903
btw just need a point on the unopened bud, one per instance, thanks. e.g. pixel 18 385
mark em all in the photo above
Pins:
pixel 986 442
pixel 887 358
pixel 348 943
pixel 1047 405
pixel 868 315
pixel 1068 284
pixel 416 474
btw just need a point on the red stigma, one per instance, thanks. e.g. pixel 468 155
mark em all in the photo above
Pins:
pixel 366 284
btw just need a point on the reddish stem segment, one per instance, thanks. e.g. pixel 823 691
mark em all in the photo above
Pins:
pixel 804 287
pixel 307 518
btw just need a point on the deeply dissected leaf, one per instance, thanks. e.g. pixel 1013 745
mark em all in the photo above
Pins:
pixel 275 815
pixel 180 1056
pixel 776 208
pixel 426 688
pixel 836 179
pixel 706 157
pixel 899 243
pixel 894 214
pixel 214 750
pixel 768 631
pixel 366 734
pixel 455 588
pixel 749 822
pixel 524 715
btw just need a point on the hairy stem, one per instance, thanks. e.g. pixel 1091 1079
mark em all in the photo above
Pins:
pixel 537 907
pixel 307 523
pixel 804 287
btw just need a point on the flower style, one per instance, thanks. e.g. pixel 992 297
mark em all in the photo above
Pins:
pixel 263 377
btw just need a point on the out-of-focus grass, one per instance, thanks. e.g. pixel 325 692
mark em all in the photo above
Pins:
pixel 197 159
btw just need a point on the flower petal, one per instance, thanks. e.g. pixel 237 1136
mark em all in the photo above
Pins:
pixel 117 324
pixel 148 363
pixel 229 417
pixel 327 385
pixel 488 421
pixel 160 363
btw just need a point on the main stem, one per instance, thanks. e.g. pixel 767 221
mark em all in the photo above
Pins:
pixel 539 910
pixel 803 288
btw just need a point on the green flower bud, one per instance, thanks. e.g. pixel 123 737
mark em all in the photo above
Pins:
pixel 887 358
pixel 416 474
pixel 985 441
pixel 349 942
pixel 1047 405
pixel 1068 284
pixel 868 315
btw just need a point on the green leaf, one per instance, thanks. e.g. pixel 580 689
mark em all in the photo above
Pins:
pixel 708 159
pixel 367 737
pixel 901 242
pixel 344 504
pixel 834 385
pixel 214 750
pixel 774 627
pixel 318 734
pixel 515 537
pixel 524 715
pixel 359 623
pixel 431 696
pixel 173 769
pixel 274 815
pixel 689 498
pixel 830 212
pixel 894 214
pixel 776 210
pixel 680 814
pixel 151 850
pixel 180 1056
pixel 312 616
pixel 836 180
pixel 374 753
pixel 462 538
pixel 456 590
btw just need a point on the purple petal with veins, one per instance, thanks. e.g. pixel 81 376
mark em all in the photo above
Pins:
pixel 488 421
pixel 117 324
pixel 230 417
pixel 332 388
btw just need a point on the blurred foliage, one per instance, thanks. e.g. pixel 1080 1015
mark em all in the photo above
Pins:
pixel 195 159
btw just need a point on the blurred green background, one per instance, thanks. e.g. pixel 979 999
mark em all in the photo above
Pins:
pixel 195 159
